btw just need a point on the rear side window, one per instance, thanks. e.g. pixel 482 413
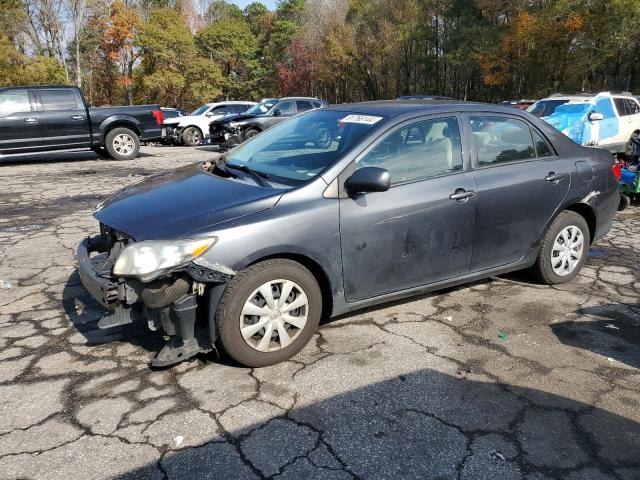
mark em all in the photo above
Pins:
pixel 303 105
pixel 632 107
pixel 14 101
pixel 418 151
pixel 501 140
pixel 542 148
pixel 58 99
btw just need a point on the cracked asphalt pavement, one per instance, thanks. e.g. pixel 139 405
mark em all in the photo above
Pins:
pixel 501 379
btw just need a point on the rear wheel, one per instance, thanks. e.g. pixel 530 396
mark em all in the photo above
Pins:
pixel 269 312
pixel 563 249
pixel 192 136
pixel 122 144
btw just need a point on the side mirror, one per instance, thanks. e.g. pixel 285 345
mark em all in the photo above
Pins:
pixel 277 113
pixel 209 114
pixel 595 117
pixel 368 179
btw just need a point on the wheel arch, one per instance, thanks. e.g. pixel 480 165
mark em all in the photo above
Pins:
pixel 119 123
pixel 588 214
pixel 316 270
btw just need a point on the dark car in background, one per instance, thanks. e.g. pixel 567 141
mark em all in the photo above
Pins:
pixel 45 118
pixel 229 132
pixel 251 250
pixel 521 104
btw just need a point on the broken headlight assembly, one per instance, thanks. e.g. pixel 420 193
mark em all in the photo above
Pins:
pixel 149 259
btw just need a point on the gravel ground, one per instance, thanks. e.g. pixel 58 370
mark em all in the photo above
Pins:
pixel 501 379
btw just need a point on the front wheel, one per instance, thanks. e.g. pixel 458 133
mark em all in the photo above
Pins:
pixel 122 144
pixel 250 133
pixel 563 250
pixel 268 312
pixel 192 136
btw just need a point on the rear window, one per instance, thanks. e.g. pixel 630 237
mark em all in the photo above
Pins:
pixel 58 99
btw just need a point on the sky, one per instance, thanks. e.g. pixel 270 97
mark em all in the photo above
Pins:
pixel 270 4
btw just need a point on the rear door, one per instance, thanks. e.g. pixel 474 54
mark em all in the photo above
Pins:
pixel 521 183
pixel 413 234
pixel 19 130
pixel 63 118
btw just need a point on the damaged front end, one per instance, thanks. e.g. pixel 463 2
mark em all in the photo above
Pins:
pixel 156 282
pixel 226 134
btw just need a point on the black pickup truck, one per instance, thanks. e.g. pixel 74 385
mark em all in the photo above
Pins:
pixel 43 118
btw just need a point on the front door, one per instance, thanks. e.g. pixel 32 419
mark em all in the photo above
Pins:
pixel 413 234
pixel 19 131
pixel 63 119
pixel 521 183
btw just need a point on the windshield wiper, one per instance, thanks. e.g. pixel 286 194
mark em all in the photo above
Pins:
pixel 259 177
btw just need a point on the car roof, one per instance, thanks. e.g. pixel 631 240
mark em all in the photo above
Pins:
pixel 301 98
pixel 231 102
pixel 396 107
pixel 585 96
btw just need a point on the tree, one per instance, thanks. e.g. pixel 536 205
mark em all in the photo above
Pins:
pixel 120 30
pixel 220 10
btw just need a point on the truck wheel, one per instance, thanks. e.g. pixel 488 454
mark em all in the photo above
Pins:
pixel 625 201
pixel 122 144
pixel 192 136
pixel 250 133
pixel 563 249
pixel 268 312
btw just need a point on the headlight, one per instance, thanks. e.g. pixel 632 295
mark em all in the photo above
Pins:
pixel 235 124
pixel 149 259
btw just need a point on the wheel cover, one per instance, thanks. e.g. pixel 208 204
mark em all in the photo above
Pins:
pixel 274 315
pixel 193 136
pixel 567 250
pixel 251 134
pixel 124 144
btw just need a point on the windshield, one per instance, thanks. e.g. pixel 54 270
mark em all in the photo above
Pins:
pixel 544 108
pixel 300 148
pixel 200 110
pixel 572 108
pixel 262 107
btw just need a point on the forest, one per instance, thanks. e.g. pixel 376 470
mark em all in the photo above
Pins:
pixel 181 53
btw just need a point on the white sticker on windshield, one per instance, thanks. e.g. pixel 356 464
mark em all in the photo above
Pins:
pixel 366 119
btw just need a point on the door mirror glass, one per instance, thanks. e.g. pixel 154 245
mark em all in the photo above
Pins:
pixel 595 117
pixel 368 179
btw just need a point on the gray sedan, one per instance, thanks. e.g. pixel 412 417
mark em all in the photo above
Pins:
pixel 251 250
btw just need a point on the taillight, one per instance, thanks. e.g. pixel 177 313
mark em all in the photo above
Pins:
pixel 617 171
pixel 159 116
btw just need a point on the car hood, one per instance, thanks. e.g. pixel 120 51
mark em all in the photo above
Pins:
pixel 239 117
pixel 172 204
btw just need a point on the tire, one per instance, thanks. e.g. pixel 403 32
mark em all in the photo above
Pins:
pixel 625 201
pixel 574 226
pixel 100 151
pixel 242 295
pixel 323 137
pixel 250 133
pixel 122 144
pixel 192 136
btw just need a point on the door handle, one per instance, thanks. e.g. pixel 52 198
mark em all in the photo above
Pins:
pixel 462 194
pixel 77 117
pixel 553 177
pixel 30 120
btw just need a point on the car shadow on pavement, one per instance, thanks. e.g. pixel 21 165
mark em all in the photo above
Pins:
pixel 84 312
pixel 615 336
pixel 423 424
pixel 61 156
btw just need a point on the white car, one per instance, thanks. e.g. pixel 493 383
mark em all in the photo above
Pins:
pixel 605 120
pixel 193 129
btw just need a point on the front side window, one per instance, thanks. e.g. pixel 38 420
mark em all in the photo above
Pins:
pixel 605 107
pixel 14 101
pixel 501 140
pixel 298 149
pixel 621 106
pixel 222 110
pixel 285 108
pixel 418 151
pixel 58 99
